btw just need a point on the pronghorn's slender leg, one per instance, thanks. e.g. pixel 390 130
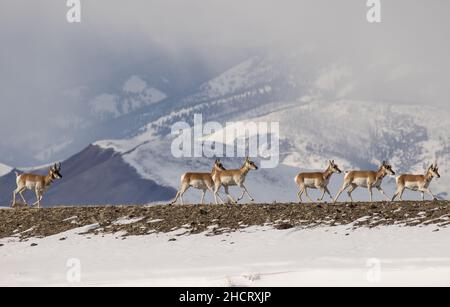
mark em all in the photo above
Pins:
pixel 350 191
pixel 210 187
pixel 427 190
pixel 345 186
pixel 395 196
pixel 39 195
pixel 226 188
pixel 216 192
pixel 203 196
pixel 21 195
pixel 37 199
pixel 423 196
pixel 242 195
pixel 300 193
pixel 328 192
pixel 370 193
pixel 183 189
pixel 14 195
pixel 322 189
pixel 307 195
pixel 181 199
pixel 244 190
pixel 176 198
pixel 229 196
pixel 399 193
pixel 216 196
pixel 248 194
pixel 382 192
pixel 402 191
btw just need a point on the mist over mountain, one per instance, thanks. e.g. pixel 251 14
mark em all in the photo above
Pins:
pixel 69 87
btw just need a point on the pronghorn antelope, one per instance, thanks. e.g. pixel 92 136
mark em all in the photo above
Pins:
pixel 366 179
pixel 201 181
pixel 417 183
pixel 235 177
pixel 317 180
pixel 38 183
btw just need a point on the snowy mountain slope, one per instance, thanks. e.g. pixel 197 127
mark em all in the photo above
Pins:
pixel 260 83
pixel 366 132
pixel 4 169
pixel 134 95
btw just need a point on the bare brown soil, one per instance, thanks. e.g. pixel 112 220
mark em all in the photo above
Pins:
pixel 213 219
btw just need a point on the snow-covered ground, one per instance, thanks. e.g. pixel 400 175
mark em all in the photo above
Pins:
pixel 337 256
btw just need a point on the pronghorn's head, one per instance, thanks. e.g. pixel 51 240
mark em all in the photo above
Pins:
pixel 386 168
pixel 250 164
pixel 218 166
pixel 55 172
pixel 333 167
pixel 433 171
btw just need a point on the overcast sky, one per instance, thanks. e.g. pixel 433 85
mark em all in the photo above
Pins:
pixel 49 69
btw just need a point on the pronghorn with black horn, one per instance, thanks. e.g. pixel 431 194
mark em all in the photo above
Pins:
pixel 366 179
pixel 417 183
pixel 317 181
pixel 235 177
pixel 201 181
pixel 38 183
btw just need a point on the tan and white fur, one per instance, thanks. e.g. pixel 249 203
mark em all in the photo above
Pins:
pixel 366 179
pixel 318 181
pixel 417 183
pixel 235 177
pixel 37 183
pixel 201 181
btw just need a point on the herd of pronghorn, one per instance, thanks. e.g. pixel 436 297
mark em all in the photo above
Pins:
pixel 221 177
